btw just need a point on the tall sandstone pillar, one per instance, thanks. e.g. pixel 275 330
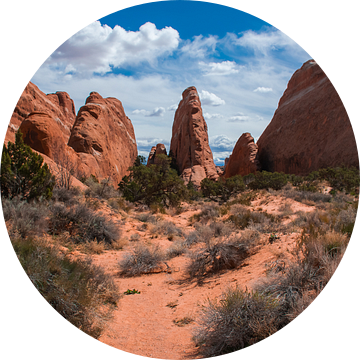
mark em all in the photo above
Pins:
pixel 190 143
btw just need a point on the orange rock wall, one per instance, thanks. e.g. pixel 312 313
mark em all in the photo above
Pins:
pixel 310 128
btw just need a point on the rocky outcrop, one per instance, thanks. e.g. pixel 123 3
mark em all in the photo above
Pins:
pixel 189 143
pixel 59 107
pixel 156 150
pixel 243 159
pixel 104 138
pixel 42 133
pixel 310 128
pixel 100 140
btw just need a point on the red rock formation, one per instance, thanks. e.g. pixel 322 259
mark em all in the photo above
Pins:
pixel 220 170
pixel 310 128
pixel 41 132
pixel 56 169
pixel 151 156
pixel 156 150
pixel 189 143
pixel 243 159
pixel 104 138
pixel 57 106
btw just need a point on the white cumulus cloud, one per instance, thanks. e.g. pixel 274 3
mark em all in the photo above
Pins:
pixel 266 41
pixel 142 112
pixel 221 143
pixel 221 68
pixel 159 111
pixel 263 89
pixel 208 116
pixel 97 48
pixel 239 118
pixel 208 98
pixel 200 46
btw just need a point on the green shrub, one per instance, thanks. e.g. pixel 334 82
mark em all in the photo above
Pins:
pixel 314 175
pixel 210 188
pixel 309 186
pixel 192 192
pixel 222 190
pixel 157 184
pixel 268 180
pixel 295 180
pixel 342 178
pixel 23 173
pixel 248 178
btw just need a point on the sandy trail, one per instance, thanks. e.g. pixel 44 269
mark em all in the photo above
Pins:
pixel 146 324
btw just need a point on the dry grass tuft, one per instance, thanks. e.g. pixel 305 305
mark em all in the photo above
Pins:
pixel 80 291
pixel 218 254
pixel 166 228
pixel 239 319
pixel 142 260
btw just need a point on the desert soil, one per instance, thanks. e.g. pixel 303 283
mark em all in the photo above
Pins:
pixel 149 323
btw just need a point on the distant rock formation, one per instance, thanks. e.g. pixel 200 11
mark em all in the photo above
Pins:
pixel 189 143
pixel 104 138
pixel 310 128
pixel 156 150
pixel 100 140
pixel 243 159
pixel 59 106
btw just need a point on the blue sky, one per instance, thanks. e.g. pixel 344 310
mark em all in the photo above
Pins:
pixel 148 54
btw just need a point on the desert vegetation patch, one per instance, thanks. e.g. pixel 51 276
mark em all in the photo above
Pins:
pixel 219 272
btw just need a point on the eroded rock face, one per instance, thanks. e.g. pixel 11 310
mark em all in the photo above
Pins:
pixel 243 159
pixel 156 150
pixel 310 128
pixel 59 106
pixel 189 143
pixel 42 133
pixel 104 138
